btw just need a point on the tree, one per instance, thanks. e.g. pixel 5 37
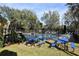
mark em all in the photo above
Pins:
pixel 3 22
pixel 27 18
pixel 38 26
pixel 68 18
pixel 30 18
pixel 51 19
pixel 74 9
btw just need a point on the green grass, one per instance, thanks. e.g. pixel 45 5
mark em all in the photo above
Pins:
pixel 23 50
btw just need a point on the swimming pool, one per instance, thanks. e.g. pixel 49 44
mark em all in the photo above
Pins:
pixel 41 37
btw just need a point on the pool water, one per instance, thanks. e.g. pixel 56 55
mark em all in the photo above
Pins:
pixel 41 37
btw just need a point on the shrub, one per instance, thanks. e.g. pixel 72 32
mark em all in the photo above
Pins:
pixel 1 41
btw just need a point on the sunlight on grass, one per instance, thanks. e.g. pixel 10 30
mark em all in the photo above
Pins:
pixel 23 50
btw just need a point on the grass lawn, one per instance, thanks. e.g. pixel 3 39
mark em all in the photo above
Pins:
pixel 23 50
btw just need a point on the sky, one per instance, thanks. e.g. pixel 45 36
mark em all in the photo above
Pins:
pixel 40 8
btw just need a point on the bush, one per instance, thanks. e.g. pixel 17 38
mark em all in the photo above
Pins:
pixel 1 42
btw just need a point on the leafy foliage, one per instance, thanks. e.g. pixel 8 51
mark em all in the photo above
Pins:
pixel 25 18
pixel 51 19
pixel 72 16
